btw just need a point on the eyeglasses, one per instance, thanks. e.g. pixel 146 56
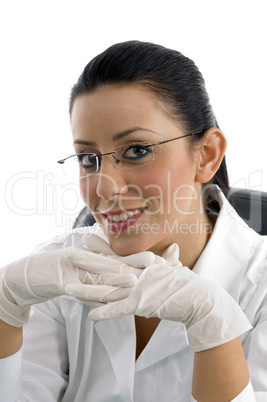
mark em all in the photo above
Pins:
pixel 127 156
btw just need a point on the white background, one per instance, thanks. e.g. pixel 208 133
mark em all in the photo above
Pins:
pixel 44 47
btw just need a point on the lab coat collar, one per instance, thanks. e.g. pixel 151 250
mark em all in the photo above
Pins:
pixel 171 334
pixel 225 258
pixel 119 340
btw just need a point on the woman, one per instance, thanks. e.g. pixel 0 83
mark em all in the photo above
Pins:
pixel 149 304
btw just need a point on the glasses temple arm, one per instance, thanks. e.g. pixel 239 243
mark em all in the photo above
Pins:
pixel 177 138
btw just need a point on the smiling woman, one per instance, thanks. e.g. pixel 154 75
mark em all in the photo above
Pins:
pixel 113 191
pixel 150 302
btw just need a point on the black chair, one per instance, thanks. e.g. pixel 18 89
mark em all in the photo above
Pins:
pixel 251 205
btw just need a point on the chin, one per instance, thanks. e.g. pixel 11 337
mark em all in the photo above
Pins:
pixel 128 246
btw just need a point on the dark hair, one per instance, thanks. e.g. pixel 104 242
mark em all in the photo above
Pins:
pixel 174 78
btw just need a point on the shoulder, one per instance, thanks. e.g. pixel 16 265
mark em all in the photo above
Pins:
pixel 253 292
pixel 235 256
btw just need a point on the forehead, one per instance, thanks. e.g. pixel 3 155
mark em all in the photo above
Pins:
pixel 113 109
pixel 112 100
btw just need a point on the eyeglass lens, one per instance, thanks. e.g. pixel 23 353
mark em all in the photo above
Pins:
pixel 127 156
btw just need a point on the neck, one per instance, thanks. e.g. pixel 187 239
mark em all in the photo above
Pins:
pixel 192 244
pixel 198 229
pixel 192 239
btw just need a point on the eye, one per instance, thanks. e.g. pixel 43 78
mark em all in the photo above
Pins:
pixel 136 151
pixel 87 161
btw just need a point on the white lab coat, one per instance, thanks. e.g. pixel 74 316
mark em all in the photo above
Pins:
pixel 68 358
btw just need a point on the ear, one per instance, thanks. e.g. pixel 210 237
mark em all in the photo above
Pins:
pixel 211 154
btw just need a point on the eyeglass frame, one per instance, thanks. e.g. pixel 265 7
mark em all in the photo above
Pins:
pixel 61 161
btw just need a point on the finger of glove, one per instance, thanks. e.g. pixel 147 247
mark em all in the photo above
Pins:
pixel 127 280
pixel 97 293
pixel 111 310
pixel 139 260
pixel 97 263
pixel 96 244
pixel 154 287
pixel 91 304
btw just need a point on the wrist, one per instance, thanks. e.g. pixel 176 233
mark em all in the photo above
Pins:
pixel 10 339
pixel 220 373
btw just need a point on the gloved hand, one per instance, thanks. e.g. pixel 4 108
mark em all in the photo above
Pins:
pixel 98 245
pixel 44 276
pixel 130 264
pixel 170 291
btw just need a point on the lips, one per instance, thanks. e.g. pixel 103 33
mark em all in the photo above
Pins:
pixel 124 215
pixel 120 220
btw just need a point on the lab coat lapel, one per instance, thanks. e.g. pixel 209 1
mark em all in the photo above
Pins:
pixel 225 258
pixel 118 337
pixel 169 338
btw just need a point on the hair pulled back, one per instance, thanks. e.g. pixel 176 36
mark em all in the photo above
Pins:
pixel 172 77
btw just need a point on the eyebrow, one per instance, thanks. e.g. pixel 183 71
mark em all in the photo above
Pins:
pixel 117 136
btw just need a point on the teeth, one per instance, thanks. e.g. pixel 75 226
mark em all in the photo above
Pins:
pixel 124 216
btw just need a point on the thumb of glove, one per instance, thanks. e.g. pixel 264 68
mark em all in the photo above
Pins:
pixel 171 255
pixel 108 311
pixel 96 244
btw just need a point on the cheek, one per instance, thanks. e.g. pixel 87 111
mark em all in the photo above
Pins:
pixel 170 188
pixel 88 192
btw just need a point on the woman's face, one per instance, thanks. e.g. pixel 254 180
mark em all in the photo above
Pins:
pixel 143 208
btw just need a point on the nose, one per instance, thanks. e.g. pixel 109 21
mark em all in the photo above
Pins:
pixel 110 180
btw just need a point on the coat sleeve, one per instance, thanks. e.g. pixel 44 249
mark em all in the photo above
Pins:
pixel 255 345
pixel 39 371
pixel 254 304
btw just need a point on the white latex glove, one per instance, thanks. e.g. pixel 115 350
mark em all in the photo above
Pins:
pixel 44 276
pixel 134 264
pixel 170 291
pixel 98 245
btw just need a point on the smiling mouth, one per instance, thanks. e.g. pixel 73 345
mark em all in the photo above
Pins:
pixel 124 215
